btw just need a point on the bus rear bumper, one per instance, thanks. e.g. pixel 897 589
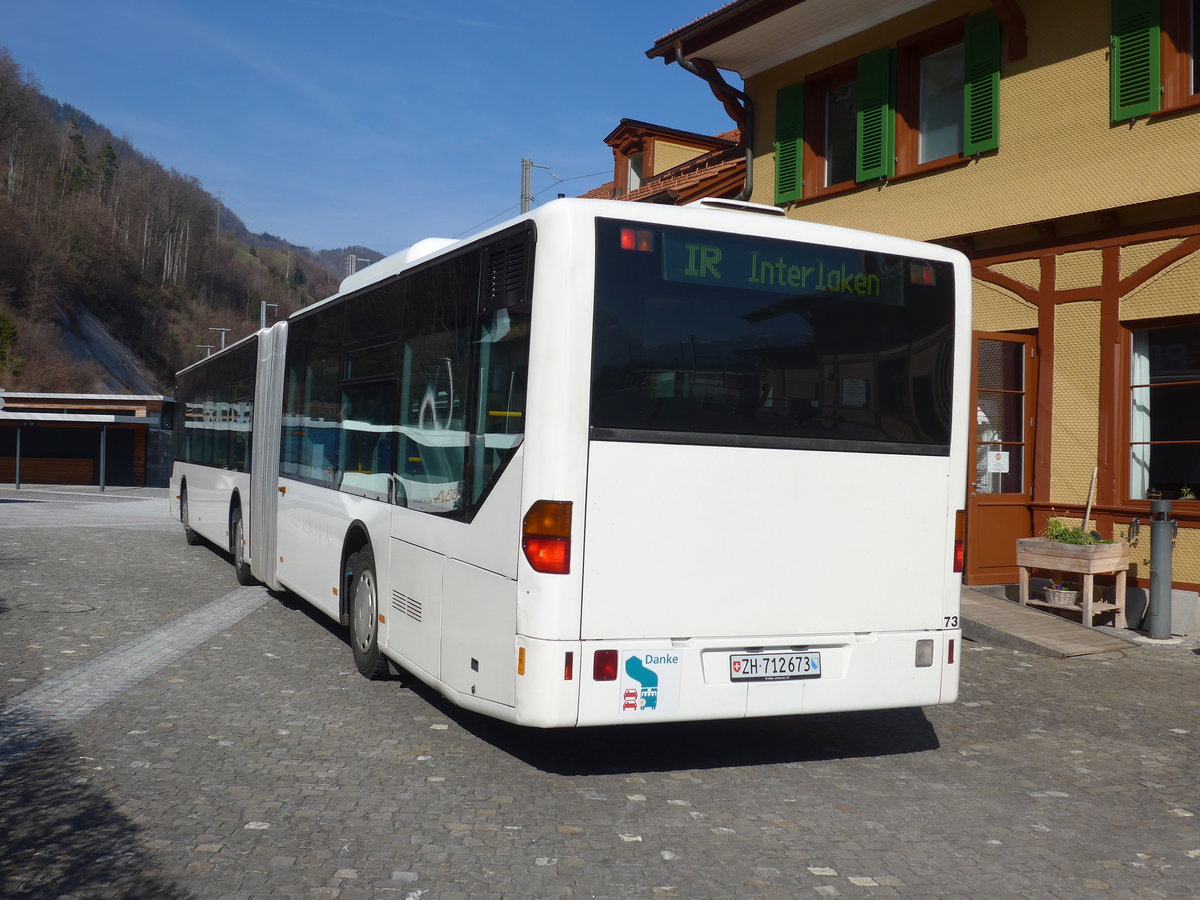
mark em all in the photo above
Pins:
pixel 672 680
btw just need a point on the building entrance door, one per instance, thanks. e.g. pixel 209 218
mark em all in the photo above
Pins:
pixel 1000 467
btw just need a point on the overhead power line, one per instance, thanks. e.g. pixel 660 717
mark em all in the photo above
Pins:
pixel 532 197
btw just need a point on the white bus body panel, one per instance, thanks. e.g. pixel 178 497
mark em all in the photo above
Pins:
pixel 209 493
pixel 313 523
pixel 452 590
pixel 807 543
pixel 414 618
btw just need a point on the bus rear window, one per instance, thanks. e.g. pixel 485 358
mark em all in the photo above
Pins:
pixel 705 337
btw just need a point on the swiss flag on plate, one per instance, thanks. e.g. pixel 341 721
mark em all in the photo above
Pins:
pixel 737 665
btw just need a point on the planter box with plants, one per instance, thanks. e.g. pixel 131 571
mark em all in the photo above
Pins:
pixel 1066 548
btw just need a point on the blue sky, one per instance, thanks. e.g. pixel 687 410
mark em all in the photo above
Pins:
pixel 340 122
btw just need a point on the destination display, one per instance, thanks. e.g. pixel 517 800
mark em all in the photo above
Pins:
pixel 732 261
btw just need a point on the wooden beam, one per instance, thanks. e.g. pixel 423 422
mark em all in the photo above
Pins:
pixel 1013 20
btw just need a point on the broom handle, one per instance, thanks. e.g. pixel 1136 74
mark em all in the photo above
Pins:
pixel 1091 493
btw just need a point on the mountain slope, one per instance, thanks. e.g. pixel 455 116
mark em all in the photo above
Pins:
pixel 94 233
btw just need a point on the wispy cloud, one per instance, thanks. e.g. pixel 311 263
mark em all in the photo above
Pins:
pixel 358 9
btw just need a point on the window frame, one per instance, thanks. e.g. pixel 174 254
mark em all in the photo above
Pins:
pixel 909 54
pixel 815 142
pixel 1128 329
pixel 1180 87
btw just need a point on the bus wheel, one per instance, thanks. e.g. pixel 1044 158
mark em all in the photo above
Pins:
pixel 188 534
pixel 241 565
pixel 364 616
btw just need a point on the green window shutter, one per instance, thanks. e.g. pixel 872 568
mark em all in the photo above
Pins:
pixel 1136 79
pixel 789 143
pixel 875 155
pixel 981 86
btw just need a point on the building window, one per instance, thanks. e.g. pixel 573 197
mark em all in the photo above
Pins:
pixel 1164 430
pixel 929 100
pixel 1181 53
pixel 635 171
pixel 831 129
pixel 941 104
pixel 838 145
pixel 1155 64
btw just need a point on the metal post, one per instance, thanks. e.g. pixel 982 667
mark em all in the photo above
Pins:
pixel 1162 541
pixel 18 457
pixel 527 165
pixel 526 190
pixel 103 454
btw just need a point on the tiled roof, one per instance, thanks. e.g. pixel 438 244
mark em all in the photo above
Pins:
pixel 713 174
pixel 714 13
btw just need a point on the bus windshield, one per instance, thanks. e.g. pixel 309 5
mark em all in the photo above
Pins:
pixel 715 338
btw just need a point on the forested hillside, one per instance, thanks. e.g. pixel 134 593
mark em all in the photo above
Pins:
pixel 92 229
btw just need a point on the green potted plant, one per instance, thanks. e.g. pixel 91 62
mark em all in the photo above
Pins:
pixel 1062 541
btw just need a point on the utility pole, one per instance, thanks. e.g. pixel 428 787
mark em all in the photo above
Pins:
pixel 212 270
pixel 527 191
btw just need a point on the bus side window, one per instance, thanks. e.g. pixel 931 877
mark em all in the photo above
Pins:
pixel 366 434
pixel 434 388
pixel 312 408
pixel 503 373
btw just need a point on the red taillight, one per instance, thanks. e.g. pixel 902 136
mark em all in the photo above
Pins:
pixel 604 665
pixel 569 666
pixel 960 521
pixel 922 273
pixel 637 239
pixel 549 555
pixel 546 536
pixel 950 653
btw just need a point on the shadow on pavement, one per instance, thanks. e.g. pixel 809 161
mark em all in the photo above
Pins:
pixel 706 745
pixel 680 745
pixel 60 836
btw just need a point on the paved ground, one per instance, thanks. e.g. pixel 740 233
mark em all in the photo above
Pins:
pixel 167 734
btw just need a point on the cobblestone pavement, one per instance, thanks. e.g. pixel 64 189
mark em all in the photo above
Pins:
pixel 166 733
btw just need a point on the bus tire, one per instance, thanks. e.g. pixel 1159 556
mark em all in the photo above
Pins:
pixel 364 615
pixel 189 535
pixel 241 565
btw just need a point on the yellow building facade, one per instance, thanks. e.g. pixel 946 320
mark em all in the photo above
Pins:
pixel 1057 145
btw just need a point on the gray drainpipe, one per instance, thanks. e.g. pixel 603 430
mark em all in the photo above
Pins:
pixel 721 87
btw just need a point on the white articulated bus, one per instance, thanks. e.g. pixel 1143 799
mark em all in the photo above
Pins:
pixel 612 463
